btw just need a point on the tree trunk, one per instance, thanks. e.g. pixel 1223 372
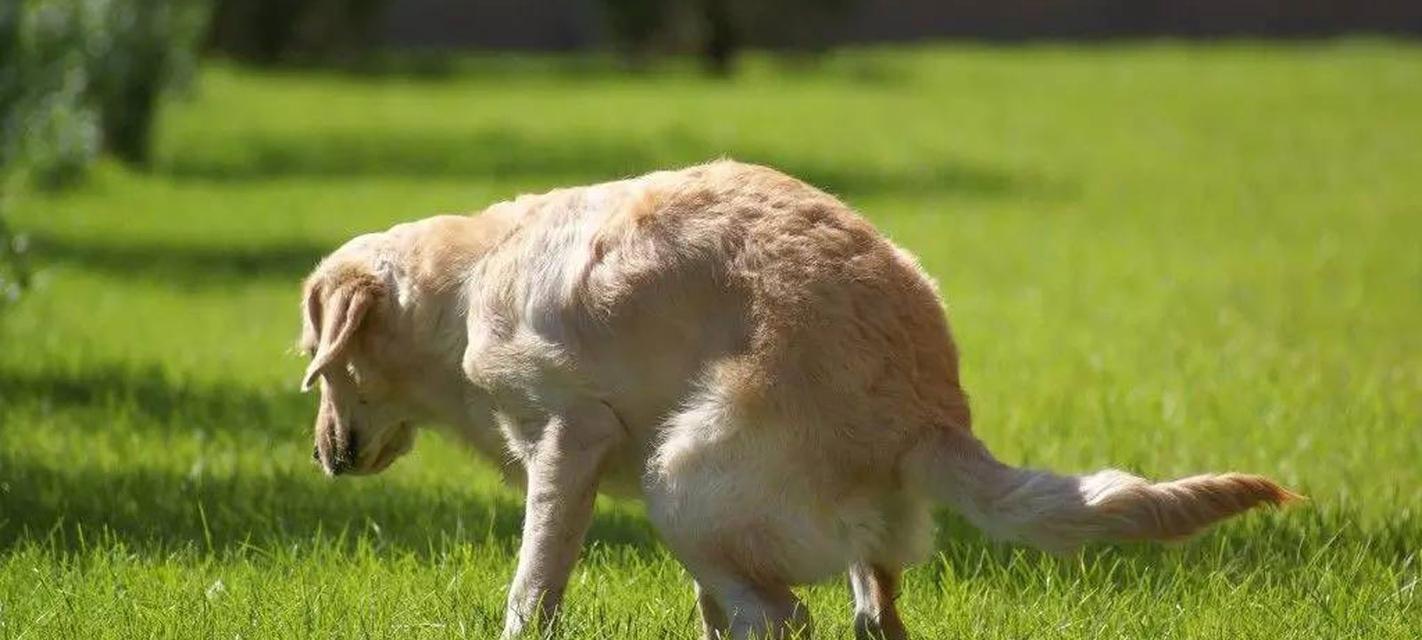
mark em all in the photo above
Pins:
pixel 722 39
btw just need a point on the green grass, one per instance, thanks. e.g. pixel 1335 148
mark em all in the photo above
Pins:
pixel 1170 258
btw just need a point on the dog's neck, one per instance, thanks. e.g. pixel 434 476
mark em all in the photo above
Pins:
pixel 432 264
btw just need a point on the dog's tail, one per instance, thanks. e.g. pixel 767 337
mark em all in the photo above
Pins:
pixel 1059 513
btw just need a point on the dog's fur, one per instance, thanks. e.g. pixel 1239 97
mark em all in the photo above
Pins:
pixel 741 350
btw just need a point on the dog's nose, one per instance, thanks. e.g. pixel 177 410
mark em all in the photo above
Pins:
pixel 335 463
pixel 352 448
pixel 338 465
pixel 345 459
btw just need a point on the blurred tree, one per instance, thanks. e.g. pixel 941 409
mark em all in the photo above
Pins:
pixel 635 26
pixel 14 268
pixel 717 30
pixel 48 134
pixel 49 130
pixel 78 76
pixel 268 32
pixel 802 26
pixel 722 39
pixel 144 48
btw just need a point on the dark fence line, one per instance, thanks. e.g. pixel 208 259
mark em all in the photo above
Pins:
pixel 561 25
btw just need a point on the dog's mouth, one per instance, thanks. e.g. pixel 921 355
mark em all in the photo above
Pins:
pixel 352 455
pixel 362 463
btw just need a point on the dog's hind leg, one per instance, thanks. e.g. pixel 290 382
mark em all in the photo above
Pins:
pixel 739 594
pixel 742 609
pixel 713 618
pixel 875 589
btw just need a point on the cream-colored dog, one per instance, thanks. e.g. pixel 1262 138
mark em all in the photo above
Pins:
pixel 772 376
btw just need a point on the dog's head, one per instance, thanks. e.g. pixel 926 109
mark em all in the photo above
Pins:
pixel 350 332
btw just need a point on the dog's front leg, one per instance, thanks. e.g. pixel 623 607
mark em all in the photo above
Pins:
pixel 562 484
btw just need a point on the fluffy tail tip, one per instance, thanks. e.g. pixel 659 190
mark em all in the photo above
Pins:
pixel 1263 490
pixel 1181 508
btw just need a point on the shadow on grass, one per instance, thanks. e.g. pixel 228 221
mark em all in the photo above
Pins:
pixel 529 164
pixel 153 400
pixel 1294 543
pixel 538 163
pixel 184 265
pixel 157 512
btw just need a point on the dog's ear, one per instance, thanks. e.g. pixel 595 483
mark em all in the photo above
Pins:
pixel 332 314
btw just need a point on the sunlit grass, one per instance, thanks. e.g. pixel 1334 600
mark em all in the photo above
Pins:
pixel 1168 258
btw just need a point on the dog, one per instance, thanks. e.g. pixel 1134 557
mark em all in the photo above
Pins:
pixel 773 377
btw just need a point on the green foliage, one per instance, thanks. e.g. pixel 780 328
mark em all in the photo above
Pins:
pixel 47 134
pixel 1171 258
pixel 80 75
pixel 14 263
pixel 77 76
pixel 143 49
pixel 268 32
pixel 48 126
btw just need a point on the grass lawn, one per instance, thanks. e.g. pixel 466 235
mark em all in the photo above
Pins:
pixel 1169 258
